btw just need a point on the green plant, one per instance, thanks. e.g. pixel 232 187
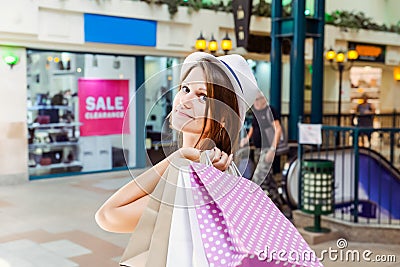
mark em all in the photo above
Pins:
pixel 262 9
pixel 355 20
pixel 343 19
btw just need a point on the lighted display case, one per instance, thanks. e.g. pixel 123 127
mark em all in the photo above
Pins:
pixel 58 137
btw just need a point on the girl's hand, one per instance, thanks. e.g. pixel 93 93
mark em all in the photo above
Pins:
pixel 189 153
pixel 220 159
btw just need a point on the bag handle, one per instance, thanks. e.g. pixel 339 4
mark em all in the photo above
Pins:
pixel 232 168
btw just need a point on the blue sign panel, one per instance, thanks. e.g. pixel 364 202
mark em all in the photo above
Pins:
pixel 117 30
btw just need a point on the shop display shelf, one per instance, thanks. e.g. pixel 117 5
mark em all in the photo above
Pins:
pixel 38 107
pixel 52 145
pixel 53 125
pixel 57 167
pixel 159 144
pixel 63 72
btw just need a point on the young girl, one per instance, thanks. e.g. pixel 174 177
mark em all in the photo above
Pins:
pixel 208 111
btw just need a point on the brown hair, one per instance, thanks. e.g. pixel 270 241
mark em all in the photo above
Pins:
pixel 225 108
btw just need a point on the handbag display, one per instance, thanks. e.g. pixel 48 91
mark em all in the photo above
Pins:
pixel 44 161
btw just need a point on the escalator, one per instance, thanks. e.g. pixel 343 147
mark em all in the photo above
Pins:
pixel 379 182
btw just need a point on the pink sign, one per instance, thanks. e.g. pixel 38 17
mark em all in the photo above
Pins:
pixel 102 106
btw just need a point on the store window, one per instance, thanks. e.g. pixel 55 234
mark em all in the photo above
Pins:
pixel 365 81
pixel 79 112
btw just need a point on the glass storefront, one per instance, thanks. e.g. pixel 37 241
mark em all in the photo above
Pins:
pixel 79 111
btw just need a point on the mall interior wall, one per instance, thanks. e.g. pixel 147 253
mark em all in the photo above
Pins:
pixel 390 97
pixel 13 134
pixel 381 11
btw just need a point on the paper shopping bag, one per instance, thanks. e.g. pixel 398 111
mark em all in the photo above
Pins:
pixel 143 243
pixel 159 242
pixel 199 256
pixel 185 246
pixel 136 252
pixel 241 226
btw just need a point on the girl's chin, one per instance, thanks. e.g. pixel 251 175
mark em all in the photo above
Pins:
pixel 186 128
pixel 193 126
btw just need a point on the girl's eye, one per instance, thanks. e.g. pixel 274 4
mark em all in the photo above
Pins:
pixel 185 89
pixel 203 98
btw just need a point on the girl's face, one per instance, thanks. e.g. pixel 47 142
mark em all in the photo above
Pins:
pixel 190 103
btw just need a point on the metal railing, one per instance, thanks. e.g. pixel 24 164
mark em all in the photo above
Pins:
pixel 384 120
pixel 367 176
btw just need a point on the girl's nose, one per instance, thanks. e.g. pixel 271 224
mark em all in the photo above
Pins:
pixel 187 100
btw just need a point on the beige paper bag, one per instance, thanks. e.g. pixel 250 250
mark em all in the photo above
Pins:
pixel 159 242
pixel 148 244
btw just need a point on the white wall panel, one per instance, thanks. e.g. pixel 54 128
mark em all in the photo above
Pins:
pixel 19 17
pixel 13 114
pixel 60 26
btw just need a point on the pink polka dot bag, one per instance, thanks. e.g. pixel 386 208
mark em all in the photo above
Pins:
pixel 236 224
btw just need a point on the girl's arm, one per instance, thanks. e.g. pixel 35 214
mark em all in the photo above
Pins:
pixel 122 211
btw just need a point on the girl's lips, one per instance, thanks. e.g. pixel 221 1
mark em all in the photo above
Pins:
pixel 184 114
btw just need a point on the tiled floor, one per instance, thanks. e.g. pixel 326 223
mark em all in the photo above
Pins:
pixel 50 223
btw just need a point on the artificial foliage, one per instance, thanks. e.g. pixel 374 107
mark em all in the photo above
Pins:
pixel 339 18
pixel 358 20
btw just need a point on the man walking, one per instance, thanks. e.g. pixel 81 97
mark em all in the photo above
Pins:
pixel 265 134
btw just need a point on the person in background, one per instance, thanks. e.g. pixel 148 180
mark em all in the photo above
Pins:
pixel 365 112
pixel 265 134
